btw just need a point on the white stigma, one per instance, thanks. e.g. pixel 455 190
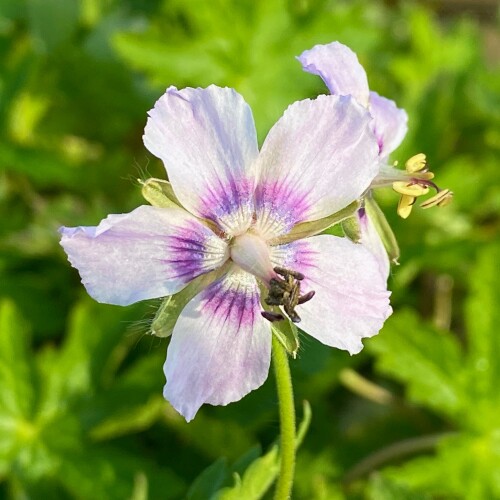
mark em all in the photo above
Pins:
pixel 251 253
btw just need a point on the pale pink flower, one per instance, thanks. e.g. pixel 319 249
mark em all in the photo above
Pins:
pixel 238 213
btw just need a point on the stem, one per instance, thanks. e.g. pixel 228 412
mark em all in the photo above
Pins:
pixel 287 421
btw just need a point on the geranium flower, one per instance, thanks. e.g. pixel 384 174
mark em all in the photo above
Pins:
pixel 235 223
pixel 342 73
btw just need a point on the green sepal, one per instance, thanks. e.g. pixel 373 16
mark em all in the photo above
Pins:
pixel 287 333
pixel 171 307
pixel 383 228
pixel 159 193
pixel 351 228
pixel 306 229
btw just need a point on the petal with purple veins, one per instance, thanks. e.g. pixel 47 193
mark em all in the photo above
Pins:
pixel 208 143
pixel 339 68
pixel 351 300
pixel 220 348
pixel 317 159
pixel 148 253
pixel 390 123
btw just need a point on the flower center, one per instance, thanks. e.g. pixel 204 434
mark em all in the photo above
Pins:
pixel 252 254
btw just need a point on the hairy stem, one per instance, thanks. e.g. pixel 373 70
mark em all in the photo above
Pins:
pixel 287 421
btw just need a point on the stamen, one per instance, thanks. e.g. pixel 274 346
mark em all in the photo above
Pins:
pixel 410 189
pixel 405 206
pixel 286 292
pixel 416 163
pixel 272 316
pixel 418 183
pixel 441 199
pixel 285 272
pixel 306 297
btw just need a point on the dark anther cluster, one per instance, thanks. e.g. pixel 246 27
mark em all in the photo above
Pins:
pixel 285 292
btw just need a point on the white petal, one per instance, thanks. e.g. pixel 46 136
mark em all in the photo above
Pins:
pixel 220 348
pixel 317 159
pixel 339 68
pixel 351 300
pixel 207 141
pixel 148 253
pixel 390 123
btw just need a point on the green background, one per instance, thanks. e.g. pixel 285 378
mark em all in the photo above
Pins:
pixel 415 415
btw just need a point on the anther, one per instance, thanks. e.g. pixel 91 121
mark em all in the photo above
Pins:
pixel 272 316
pixel 306 297
pixel 285 292
pixel 288 272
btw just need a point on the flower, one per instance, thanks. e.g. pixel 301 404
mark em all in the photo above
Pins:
pixel 234 223
pixel 341 71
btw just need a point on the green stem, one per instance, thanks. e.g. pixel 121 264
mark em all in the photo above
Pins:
pixel 287 421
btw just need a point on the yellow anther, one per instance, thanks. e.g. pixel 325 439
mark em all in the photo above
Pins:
pixel 416 163
pixel 426 176
pixel 441 199
pixel 405 188
pixel 405 206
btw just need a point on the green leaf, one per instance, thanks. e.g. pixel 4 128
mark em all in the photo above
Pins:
pixel 382 488
pixel 110 473
pixel 256 480
pixel 427 361
pixel 131 404
pixel 96 333
pixel 209 481
pixel 462 463
pixel 483 320
pixel 45 14
pixel 16 370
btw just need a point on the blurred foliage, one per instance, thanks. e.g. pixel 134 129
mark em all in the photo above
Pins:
pixel 81 410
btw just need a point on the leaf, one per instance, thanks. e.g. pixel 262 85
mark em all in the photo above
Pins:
pixel 483 320
pixel 111 474
pixel 462 463
pixel 16 371
pixel 256 480
pixel 261 473
pixel 427 361
pixel 45 14
pixel 381 488
pixel 209 481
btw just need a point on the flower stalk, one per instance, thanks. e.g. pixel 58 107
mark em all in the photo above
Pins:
pixel 287 421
